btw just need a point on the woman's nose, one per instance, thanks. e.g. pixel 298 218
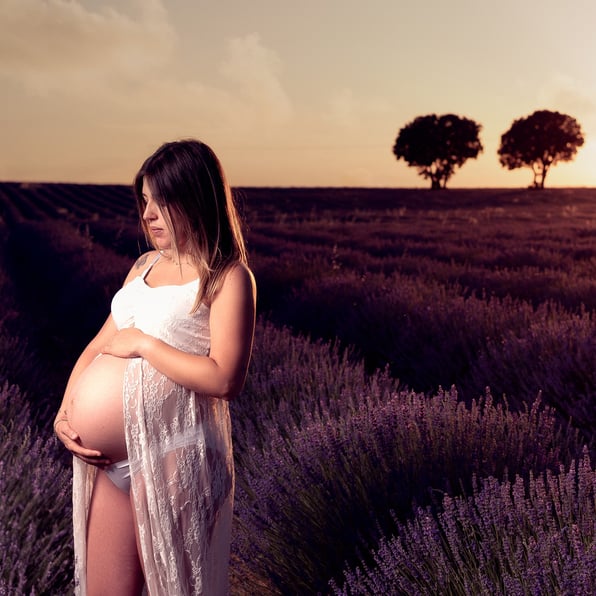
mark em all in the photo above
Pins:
pixel 148 213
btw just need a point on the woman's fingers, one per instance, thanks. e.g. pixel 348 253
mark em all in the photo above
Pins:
pixel 63 429
pixel 72 442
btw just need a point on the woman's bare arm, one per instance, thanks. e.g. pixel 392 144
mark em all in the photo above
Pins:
pixel 62 428
pixel 231 320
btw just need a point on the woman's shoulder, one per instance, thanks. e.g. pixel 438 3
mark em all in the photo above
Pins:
pixel 141 264
pixel 238 278
pixel 240 267
pixel 240 273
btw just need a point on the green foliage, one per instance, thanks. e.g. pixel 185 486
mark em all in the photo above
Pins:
pixel 437 145
pixel 540 141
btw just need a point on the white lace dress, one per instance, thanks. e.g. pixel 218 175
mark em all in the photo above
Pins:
pixel 180 453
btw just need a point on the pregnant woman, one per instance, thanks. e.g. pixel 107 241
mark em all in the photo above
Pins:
pixel 145 411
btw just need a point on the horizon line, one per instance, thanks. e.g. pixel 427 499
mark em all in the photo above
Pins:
pixel 25 183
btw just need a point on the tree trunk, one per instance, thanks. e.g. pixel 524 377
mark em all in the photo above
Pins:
pixel 543 177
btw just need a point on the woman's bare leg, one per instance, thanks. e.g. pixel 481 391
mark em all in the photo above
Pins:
pixel 113 566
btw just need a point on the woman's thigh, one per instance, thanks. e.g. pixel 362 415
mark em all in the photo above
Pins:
pixel 113 565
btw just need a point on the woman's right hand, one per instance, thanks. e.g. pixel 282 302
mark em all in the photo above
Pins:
pixel 72 442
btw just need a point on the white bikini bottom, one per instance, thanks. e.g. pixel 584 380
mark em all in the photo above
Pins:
pixel 119 473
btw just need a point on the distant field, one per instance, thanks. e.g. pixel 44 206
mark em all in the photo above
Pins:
pixel 365 296
pixel 385 271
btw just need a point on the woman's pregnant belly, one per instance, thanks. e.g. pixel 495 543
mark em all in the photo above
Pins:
pixel 96 411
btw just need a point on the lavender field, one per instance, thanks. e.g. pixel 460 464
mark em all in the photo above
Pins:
pixel 419 415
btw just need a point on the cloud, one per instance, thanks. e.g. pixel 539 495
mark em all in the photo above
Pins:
pixel 53 44
pixel 125 66
pixel 255 70
pixel 349 111
pixel 247 99
pixel 343 108
pixel 573 97
pixel 112 82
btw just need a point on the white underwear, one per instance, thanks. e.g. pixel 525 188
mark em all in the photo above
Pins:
pixel 119 473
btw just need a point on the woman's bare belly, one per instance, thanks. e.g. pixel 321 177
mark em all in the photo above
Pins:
pixel 96 410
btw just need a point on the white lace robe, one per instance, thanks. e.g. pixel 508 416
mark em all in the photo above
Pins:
pixel 180 452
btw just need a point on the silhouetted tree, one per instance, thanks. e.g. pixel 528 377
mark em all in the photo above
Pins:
pixel 540 141
pixel 437 145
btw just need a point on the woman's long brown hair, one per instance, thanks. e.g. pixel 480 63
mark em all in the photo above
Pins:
pixel 188 183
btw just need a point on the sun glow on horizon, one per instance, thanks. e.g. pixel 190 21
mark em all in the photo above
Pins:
pixel 104 83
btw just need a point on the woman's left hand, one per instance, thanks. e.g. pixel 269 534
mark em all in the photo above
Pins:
pixel 126 343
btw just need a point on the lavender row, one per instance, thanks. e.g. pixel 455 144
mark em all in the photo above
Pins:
pixel 35 526
pixel 325 454
pixel 509 537
pixel 328 456
pixel 430 335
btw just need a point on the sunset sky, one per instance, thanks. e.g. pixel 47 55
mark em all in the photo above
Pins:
pixel 288 93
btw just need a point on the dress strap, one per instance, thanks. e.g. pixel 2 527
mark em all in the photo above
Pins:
pixel 146 272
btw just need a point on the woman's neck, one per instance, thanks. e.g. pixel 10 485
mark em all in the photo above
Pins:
pixel 176 258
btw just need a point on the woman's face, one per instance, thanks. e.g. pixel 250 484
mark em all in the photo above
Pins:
pixel 157 221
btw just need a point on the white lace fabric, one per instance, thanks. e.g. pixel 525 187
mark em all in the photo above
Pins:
pixel 180 452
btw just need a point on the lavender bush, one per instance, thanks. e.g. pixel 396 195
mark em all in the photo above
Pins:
pixel 18 362
pixel 470 289
pixel 35 511
pixel 293 381
pixel 498 242
pixel 510 537
pixel 556 353
pixel 83 275
pixel 432 335
pixel 427 332
pixel 434 285
pixel 78 277
pixel 319 492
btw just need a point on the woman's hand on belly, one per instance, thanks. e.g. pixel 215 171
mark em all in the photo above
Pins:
pixel 126 343
pixel 72 442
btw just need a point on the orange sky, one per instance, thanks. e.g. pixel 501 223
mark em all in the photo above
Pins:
pixel 309 93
